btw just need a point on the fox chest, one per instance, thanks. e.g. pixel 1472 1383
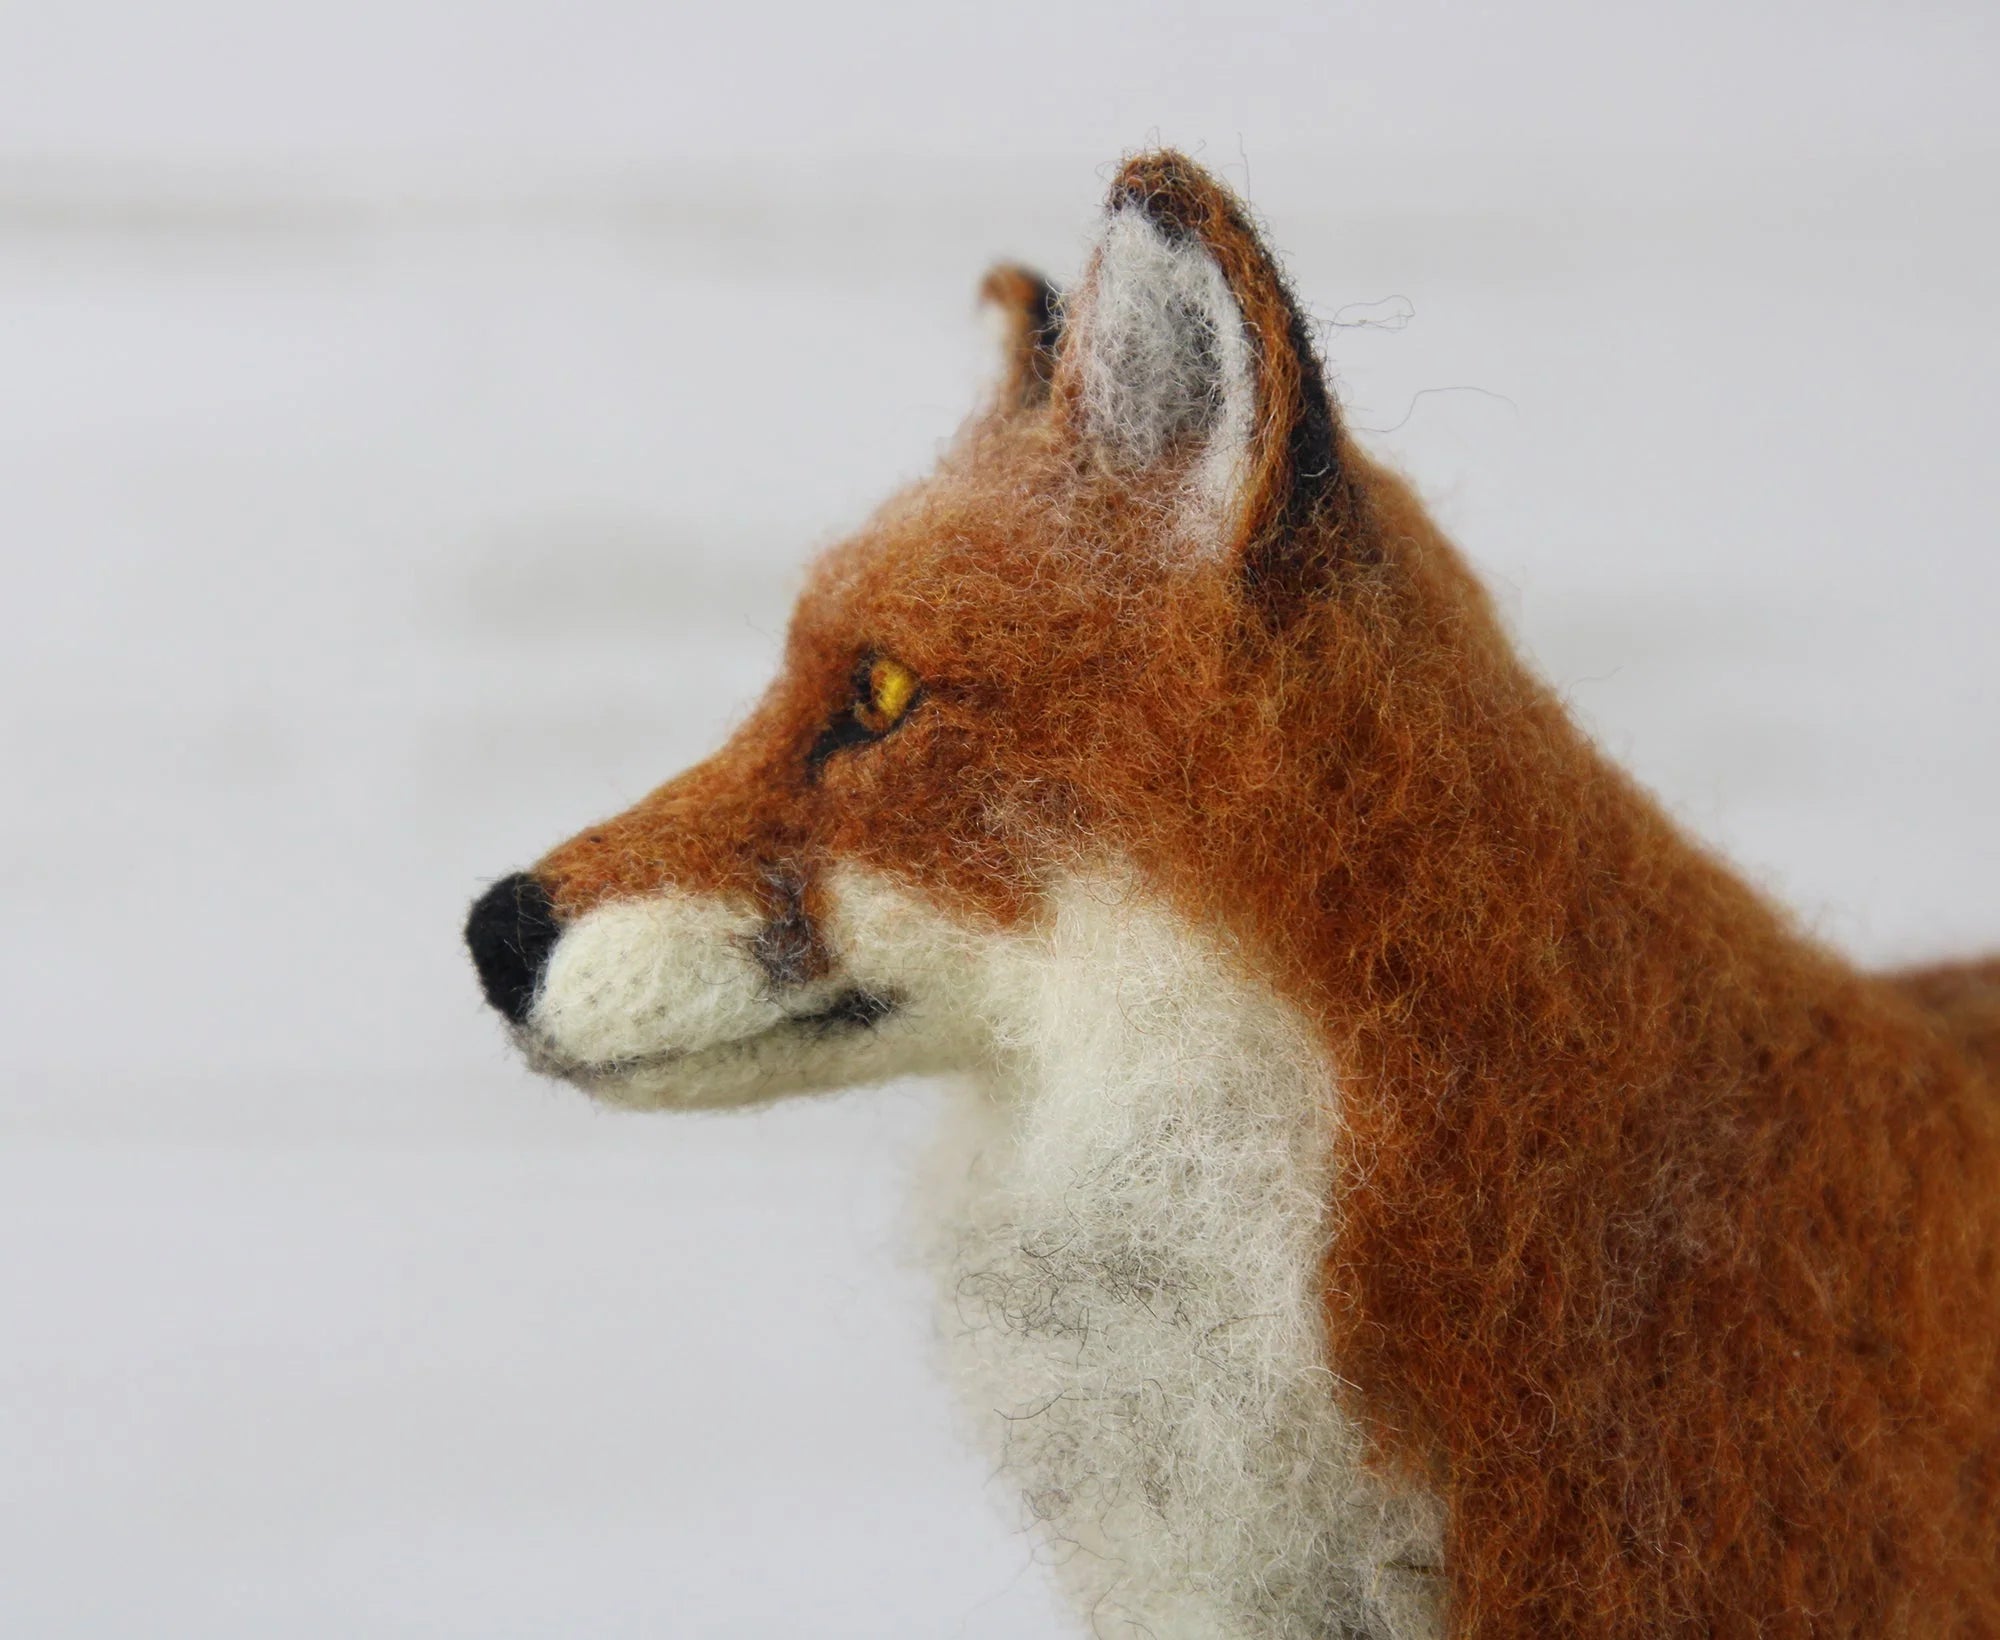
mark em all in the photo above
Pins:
pixel 1130 1306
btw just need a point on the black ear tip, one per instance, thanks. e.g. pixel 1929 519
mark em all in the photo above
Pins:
pixel 510 932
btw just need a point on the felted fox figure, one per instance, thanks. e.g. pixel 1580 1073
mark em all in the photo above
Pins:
pixel 1400 1186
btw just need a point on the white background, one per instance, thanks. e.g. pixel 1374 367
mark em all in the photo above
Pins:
pixel 412 420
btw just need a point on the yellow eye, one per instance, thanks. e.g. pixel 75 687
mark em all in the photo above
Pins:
pixel 888 688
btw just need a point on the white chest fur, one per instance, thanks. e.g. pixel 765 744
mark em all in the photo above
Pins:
pixel 1128 1222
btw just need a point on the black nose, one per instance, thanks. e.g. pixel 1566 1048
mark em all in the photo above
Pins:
pixel 510 933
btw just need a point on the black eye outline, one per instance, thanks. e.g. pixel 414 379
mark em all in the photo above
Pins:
pixel 849 728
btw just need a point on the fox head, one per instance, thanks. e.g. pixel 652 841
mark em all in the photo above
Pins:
pixel 1155 622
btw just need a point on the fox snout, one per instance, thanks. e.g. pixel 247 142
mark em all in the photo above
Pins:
pixel 510 932
pixel 681 997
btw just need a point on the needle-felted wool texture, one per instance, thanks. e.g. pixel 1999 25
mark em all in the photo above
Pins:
pixel 1402 1185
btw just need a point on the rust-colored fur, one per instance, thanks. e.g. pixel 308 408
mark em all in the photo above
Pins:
pixel 1665 1240
pixel 1964 999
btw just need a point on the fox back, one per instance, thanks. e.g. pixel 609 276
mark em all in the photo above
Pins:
pixel 1399 1186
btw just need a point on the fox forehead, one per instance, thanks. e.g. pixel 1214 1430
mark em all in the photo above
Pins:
pixel 1001 550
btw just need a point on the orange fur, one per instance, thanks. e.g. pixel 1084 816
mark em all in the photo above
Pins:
pixel 1665 1239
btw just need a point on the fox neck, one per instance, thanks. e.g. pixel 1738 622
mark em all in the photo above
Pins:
pixel 1435 867
pixel 1561 1032
pixel 1130 1227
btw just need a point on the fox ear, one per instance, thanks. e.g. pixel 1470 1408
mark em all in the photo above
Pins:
pixel 1187 353
pixel 1029 316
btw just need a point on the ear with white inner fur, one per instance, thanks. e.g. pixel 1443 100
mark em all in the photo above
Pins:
pixel 1186 352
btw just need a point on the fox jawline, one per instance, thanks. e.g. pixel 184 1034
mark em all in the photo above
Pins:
pixel 853 1010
